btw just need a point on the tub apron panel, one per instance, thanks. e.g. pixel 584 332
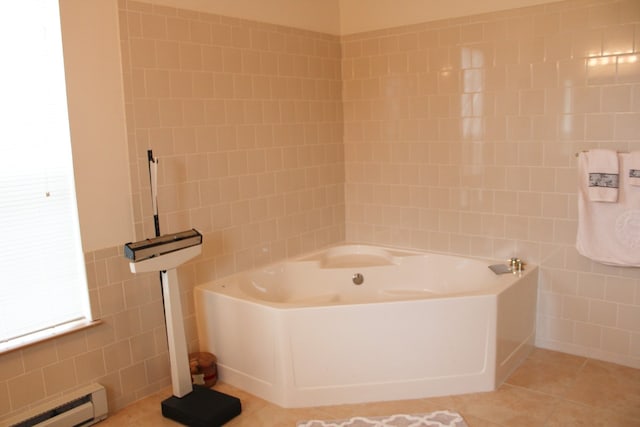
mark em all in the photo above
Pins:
pixel 391 351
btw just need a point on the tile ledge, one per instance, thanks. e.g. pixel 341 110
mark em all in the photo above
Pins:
pixel 46 335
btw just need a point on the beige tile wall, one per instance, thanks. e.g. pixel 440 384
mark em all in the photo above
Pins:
pixel 246 119
pixel 460 137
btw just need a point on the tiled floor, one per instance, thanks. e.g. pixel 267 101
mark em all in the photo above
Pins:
pixel 549 389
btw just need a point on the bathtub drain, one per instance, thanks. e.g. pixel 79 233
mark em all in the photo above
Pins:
pixel 358 279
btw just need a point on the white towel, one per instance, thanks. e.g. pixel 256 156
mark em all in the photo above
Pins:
pixel 603 176
pixel 634 168
pixel 609 232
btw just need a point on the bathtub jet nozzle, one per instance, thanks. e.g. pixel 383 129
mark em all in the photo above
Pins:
pixel 357 279
pixel 149 248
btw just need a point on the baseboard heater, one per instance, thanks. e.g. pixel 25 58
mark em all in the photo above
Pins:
pixel 83 407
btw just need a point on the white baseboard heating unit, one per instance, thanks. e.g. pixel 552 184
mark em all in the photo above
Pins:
pixel 82 407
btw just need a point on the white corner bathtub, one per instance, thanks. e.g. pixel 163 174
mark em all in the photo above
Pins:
pixel 302 333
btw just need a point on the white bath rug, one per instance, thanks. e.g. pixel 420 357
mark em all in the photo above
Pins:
pixel 434 419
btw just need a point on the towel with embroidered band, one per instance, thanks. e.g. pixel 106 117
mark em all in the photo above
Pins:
pixel 603 175
pixel 609 232
pixel 634 168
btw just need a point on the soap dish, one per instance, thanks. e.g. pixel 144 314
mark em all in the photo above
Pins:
pixel 500 268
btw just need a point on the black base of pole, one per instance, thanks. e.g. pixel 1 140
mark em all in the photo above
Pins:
pixel 202 407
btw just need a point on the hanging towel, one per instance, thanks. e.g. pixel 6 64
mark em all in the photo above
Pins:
pixel 634 168
pixel 609 232
pixel 603 176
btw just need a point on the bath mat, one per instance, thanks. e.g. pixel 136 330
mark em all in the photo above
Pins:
pixel 434 419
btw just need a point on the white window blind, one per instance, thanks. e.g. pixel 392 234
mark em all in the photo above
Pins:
pixel 42 275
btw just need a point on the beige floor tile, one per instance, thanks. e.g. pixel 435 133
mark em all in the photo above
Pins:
pixel 556 356
pixel 143 413
pixel 547 372
pixel 569 414
pixel 511 406
pixel 275 416
pixel 607 386
pixel 605 371
pixel 473 421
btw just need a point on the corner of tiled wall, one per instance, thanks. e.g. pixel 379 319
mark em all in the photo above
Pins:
pixel 246 120
pixel 460 137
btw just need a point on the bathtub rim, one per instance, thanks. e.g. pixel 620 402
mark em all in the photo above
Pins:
pixel 233 290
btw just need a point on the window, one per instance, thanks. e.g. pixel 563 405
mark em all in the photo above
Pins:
pixel 42 276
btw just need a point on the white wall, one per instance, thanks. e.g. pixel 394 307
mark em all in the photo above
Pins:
pixel 91 43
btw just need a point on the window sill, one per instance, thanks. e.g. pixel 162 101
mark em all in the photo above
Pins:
pixel 46 335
